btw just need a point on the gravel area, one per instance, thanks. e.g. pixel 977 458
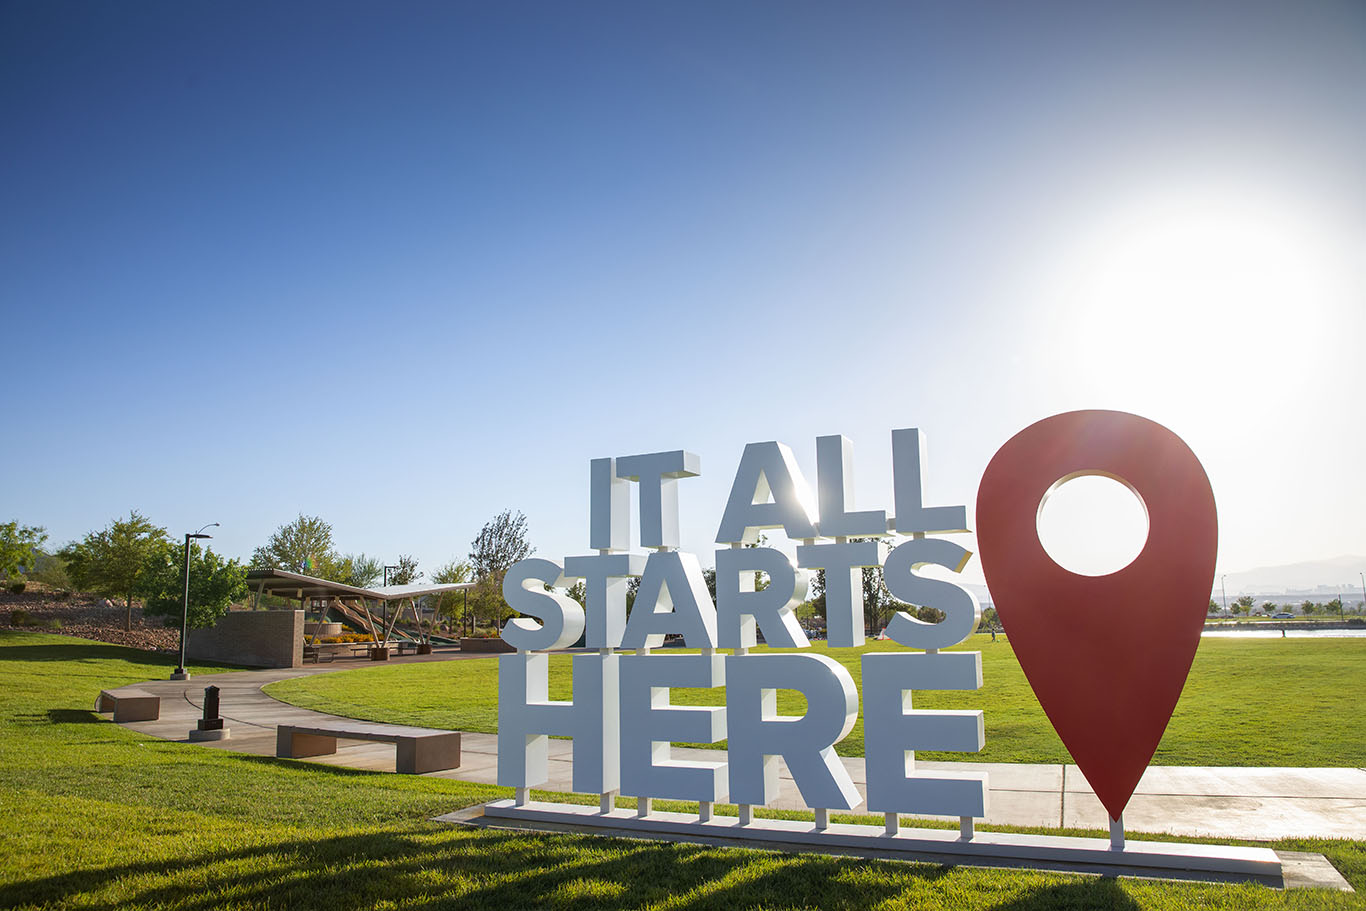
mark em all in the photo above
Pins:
pixel 89 618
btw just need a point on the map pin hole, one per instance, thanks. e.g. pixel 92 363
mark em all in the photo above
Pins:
pixel 1092 523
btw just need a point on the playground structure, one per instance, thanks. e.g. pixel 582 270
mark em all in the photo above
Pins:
pixel 385 621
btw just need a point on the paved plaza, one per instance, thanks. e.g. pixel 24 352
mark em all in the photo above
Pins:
pixel 1220 802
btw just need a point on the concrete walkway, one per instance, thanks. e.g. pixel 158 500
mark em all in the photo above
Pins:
pixel 1254 803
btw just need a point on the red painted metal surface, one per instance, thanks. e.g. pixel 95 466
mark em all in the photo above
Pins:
pixel 1107 656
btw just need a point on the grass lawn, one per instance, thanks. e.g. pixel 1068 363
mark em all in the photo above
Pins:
pixel 1255 702
pixel 96 816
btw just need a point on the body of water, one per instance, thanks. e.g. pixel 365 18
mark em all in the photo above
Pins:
pixel 1289 634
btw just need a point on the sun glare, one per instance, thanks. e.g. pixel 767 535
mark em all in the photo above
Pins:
pixel 1180 295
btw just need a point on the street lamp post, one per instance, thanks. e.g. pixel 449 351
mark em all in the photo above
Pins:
pixel 180 672
pixel 1224 592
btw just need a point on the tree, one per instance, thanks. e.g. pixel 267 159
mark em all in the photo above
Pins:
pixel 1269 607
pixel 1333 607
pixel 1308 608
pixel 214 583
pixel 18 548
pixel 406 573
pixel 1243 605
pixel 452 604
pixel 49 569
pixel 362 571
pixel 817 599
pixel 925 614
pixel 877 600
pixel 112 562
pixel 879 604
pixel 302 546
pixel 500 543
pixel 1213 606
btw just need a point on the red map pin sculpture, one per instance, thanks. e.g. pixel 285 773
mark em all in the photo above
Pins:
pixel 1107 656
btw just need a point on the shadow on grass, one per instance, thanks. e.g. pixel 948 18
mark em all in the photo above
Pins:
pixel 72 716
pixel 82 651
pixel 85 650
pixel 431 868
pixel 1101 894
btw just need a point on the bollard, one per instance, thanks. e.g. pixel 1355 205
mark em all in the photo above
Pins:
pixel 210 727
pixel 211 721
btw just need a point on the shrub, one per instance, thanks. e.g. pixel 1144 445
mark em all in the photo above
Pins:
pixel 349 637
pixel 17 588
pixel 19 618
pixel 55 624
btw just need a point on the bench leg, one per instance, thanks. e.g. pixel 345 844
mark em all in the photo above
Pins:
pixel 292 745
pixel 432 753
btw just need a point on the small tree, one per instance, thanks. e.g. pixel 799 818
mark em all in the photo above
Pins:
pixel 452 604
pixel 1213 606
pixel 500 543
pixel 1308 608
pixel 1243 605
pixel 112 562
pixel 214 584
pixel 362 571
pixel 406 573
pixel 19 548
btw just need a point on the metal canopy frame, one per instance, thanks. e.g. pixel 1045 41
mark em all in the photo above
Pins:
pixel 282 583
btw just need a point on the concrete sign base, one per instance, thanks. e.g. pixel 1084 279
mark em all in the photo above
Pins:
pixel 1090 855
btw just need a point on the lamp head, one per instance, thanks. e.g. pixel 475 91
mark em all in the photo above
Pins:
pixel 198 534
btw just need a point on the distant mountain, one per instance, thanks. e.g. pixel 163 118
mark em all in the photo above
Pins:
pixel 1334 574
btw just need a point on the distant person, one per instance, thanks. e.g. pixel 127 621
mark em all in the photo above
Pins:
pixel 993 632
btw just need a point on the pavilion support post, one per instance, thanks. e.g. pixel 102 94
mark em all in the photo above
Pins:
pixel 393 621
pixel 369 620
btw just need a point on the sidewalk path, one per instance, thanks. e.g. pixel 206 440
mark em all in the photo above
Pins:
pixel 1257 803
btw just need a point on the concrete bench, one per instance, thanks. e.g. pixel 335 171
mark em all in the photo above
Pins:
pixel 419 749
pixel 129 703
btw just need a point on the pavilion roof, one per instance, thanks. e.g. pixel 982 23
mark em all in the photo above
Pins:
pixel 286 584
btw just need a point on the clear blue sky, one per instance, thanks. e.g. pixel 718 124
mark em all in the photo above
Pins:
pixel 403 266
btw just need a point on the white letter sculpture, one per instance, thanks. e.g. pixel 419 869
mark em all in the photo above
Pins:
pixel 759 735
pixel 649 725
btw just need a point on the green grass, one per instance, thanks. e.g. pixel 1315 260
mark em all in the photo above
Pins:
pixel 96 816
pixel 1278 702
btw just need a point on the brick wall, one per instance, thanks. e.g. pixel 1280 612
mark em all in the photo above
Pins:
pixel 266 638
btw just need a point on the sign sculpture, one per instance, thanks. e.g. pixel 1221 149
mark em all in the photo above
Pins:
pixel 1107 656
pixel 621 719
